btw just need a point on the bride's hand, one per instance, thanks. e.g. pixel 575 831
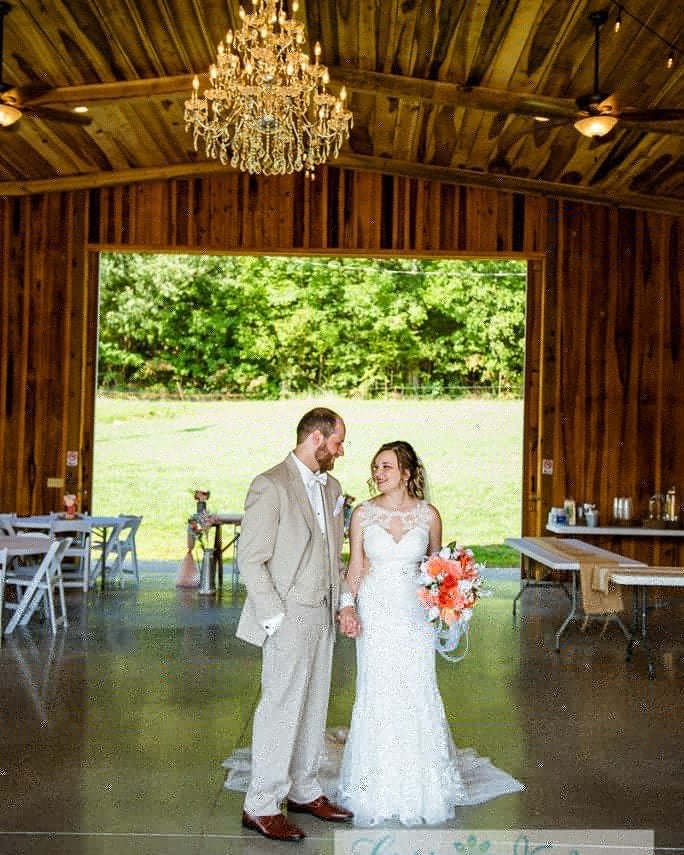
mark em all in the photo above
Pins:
pixel 350 625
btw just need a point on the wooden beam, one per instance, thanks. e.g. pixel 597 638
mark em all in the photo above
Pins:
pixel 91 93
pixel 407 89
pixel 357 80
pixel 531 186
pixel 386 166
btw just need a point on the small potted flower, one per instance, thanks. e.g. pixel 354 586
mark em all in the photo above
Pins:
pixel 70 505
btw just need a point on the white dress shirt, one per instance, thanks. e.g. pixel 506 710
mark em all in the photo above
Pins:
pixel 314 491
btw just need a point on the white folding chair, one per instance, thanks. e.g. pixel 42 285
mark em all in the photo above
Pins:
pixel 76 563
pixel 108 555
pixel 35 584
pixel 3 573
pixel 126 553
pixel 7 524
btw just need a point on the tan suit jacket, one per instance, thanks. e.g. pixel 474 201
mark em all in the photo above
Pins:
pixel 282 554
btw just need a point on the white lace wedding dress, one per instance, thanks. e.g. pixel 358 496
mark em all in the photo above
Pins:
pixel 400 762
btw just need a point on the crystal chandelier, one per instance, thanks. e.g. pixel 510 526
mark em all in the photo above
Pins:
pixel 267 110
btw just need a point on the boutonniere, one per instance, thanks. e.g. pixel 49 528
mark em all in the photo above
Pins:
pixel 339 506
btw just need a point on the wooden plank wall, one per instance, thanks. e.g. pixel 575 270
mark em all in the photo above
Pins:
pixel 604 322
pixel 341 210
pixel 48 333
pixel 619 400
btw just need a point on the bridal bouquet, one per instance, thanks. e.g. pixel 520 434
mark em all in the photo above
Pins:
pixel 451 585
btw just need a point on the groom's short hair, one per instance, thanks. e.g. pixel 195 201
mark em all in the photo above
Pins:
pixel 320 418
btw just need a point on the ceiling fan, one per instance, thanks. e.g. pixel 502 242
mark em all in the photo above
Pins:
pixel 16 101
pixel 597 113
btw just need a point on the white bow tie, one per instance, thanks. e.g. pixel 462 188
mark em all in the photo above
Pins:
pixel 317 478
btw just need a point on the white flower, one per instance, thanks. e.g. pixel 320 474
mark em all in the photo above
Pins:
pixel 465 586
pixel 433 613
pixel 445 552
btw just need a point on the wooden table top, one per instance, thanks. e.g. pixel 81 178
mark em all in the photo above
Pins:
pixel 228 518
pixel 548 551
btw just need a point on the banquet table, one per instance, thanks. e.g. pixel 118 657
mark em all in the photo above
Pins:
pixel 98 525
pixel 641 580
pixel 222 519
pixel 188 572
pixel 561 554
pixel 84 522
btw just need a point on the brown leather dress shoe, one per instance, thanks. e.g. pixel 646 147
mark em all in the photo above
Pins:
pixel 275 827
pixel 323 808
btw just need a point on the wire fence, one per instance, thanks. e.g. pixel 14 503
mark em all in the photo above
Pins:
pixel 438 390
pixel 377 391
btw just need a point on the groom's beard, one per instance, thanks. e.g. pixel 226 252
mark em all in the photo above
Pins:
pixel 324 458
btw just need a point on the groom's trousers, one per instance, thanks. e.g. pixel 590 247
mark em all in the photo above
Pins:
pixel 290 718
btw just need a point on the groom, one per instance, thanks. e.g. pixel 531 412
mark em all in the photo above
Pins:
pixel 290 543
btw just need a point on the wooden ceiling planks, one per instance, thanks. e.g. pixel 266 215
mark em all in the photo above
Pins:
pixel 60 149
pixel 508 68
pixel 16 157
pixel 495 22
pixel 166 39
pixel 410 67
pixel 89 40
pixel 558 45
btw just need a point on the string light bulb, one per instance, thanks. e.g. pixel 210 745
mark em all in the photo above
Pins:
pixel 618 20
pixel 670 60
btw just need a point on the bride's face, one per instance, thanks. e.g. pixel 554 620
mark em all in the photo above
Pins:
pixel 386 473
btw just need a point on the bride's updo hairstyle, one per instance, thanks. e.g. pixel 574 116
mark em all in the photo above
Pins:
pixel 408 462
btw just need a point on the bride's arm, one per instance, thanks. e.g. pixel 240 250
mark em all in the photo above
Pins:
pixel 435 530
pixel 357 558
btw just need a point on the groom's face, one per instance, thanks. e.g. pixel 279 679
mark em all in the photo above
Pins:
pixel 330 448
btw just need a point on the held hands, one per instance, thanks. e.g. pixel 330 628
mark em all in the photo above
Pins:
pixel 350 625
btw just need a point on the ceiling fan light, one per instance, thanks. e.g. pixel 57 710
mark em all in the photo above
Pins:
pixel 8 115
pixel 595 126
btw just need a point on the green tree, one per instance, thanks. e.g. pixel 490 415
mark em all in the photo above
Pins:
pixel 272 326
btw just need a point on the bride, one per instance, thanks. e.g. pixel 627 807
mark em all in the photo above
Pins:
pixel 400 762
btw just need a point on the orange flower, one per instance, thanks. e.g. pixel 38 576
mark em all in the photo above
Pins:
pixel 437 566
pixel 425 597
pixel 444 599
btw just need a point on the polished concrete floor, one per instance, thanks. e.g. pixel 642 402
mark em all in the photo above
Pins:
pixel 113 732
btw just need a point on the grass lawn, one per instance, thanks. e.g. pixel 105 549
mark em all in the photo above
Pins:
pixel 151 455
